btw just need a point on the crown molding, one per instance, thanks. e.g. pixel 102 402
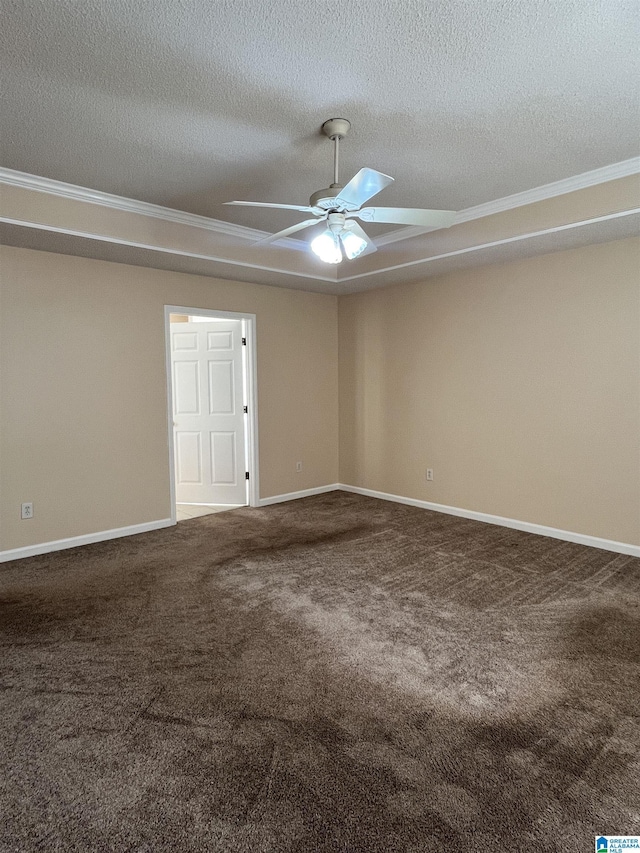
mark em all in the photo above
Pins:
pixel 502 242
pixel 567 185
pixel 10 177
pixel 167 250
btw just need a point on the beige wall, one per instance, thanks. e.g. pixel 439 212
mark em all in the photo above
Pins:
pixel 518 384
pixel 83 390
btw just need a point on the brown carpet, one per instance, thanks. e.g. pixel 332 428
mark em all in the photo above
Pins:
pixel 333 674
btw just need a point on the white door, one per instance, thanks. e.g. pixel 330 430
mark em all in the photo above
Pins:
pixel 208 412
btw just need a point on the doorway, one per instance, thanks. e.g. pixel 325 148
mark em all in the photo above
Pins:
pixel 211 392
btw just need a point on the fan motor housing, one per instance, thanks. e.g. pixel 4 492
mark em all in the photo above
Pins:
pixel 325 199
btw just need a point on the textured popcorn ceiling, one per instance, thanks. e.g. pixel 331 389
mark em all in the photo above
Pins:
pixel 190 103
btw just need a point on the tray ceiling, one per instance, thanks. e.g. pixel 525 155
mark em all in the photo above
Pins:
pixel 189 105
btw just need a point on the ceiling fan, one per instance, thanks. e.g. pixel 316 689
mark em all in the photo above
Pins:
pixel 338 205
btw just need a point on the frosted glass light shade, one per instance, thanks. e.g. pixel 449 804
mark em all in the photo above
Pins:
pixel 327 247
pixel 353 245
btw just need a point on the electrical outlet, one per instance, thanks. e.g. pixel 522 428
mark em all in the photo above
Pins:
pixel 298 467
pixel 429 474
pixel 26 510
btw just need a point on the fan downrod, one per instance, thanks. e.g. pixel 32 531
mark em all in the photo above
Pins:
pixel 336 129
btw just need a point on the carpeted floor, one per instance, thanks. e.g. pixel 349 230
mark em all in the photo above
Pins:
pixel 333 674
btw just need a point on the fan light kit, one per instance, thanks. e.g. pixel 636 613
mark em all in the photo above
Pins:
pixel 337 206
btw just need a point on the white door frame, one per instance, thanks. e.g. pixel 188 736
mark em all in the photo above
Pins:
pixel 251 379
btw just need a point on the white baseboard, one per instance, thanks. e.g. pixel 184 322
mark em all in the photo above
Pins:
pixel 87 539
pixel 528 527
pixel 292 496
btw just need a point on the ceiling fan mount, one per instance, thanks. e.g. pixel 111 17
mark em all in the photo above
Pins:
pixel 336 205
pixel 336 128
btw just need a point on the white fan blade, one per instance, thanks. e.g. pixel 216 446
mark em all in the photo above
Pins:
pixel 363 186
pixel 407 216
pixel 356 228
pixel 291 230
pixel 303 208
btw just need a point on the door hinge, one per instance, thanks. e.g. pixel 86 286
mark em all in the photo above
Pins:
pixel 245 409
pixel 244 342
pixel 246 475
